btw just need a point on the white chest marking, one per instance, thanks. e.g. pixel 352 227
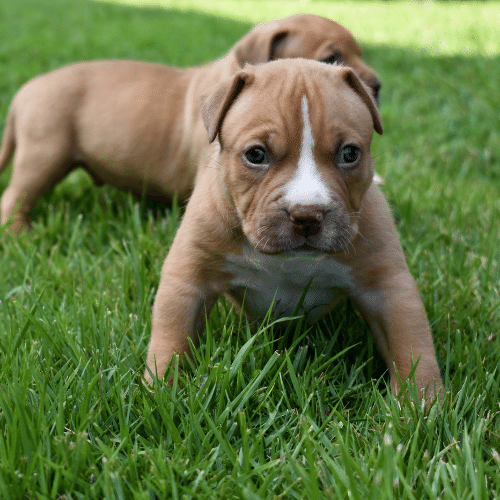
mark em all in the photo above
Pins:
pixel 261 279
pixel 306 187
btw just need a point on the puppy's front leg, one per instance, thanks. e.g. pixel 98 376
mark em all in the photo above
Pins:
pixel 179 312
pixel 388 298
pixel 398 321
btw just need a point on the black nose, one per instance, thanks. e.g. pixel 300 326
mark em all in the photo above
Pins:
pixel 306 219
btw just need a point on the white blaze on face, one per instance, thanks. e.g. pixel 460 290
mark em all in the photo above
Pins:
pixel 306 187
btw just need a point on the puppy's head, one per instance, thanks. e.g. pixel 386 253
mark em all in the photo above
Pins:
pixel 306 36
pixel 294 155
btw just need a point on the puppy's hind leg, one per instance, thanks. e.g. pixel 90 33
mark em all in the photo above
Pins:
pixel 37 169
pixel 8 141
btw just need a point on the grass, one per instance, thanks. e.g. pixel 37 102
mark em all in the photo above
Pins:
pixel 258 414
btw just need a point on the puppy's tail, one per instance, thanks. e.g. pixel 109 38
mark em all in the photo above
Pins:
pixel 8 141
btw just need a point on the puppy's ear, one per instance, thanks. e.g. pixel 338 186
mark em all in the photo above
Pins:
pixel 365 93
pixel 260 45
pixel 216 103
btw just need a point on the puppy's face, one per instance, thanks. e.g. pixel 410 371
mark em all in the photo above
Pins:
pixel 306 36
pixel 295 153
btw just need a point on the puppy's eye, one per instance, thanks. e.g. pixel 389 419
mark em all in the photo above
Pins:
pixel 334 58
pixel 257 156
pixel 348 156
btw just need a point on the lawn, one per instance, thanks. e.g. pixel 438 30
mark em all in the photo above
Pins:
pixel 260 413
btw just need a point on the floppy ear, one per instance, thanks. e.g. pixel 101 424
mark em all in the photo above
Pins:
pixel 365 93
pixel 216 103
pixel 260 45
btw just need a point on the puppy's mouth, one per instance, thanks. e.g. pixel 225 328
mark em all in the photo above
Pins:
pixel 325 231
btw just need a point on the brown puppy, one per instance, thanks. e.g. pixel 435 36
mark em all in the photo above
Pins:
pixel 287 201
pixel 137 125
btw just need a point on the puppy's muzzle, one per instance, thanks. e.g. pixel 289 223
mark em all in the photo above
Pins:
pixel 325 228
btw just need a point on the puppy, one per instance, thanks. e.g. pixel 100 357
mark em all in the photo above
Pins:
pixel 287 201
pixel 137 125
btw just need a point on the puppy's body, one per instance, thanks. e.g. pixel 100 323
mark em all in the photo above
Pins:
pixel 287 202
pixel 137 125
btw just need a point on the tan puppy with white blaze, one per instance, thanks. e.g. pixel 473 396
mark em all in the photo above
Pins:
pixel 137 125
pixel 286 201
